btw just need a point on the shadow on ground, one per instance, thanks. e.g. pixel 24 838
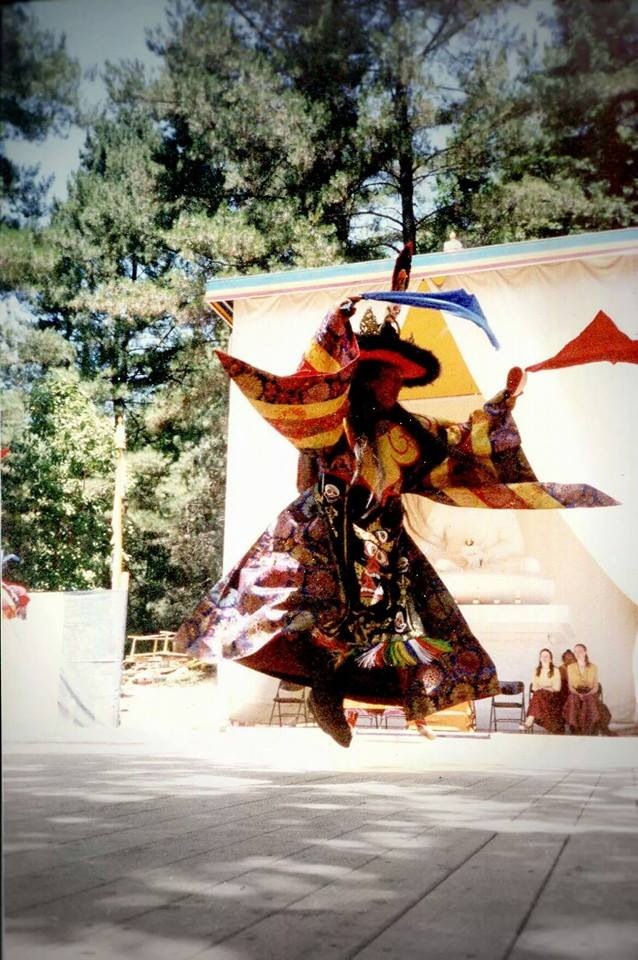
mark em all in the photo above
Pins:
pixel 115 855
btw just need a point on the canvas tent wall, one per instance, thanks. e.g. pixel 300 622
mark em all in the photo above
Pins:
pixel 577 424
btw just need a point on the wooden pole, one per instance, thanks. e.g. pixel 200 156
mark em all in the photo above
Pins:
pixel 119 578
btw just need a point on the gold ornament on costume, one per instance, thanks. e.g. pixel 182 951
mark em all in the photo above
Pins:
pixel 369 323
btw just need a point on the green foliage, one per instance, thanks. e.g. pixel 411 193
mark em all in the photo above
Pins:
pixel 174 525
pixel 552 149
pixel 274 135
pixel 57 488
pixel 256 239
pixel 24 258
pixel 113 289
pixel 26 354
pixel 38 96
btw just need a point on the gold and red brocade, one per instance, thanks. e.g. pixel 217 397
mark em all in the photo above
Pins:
pixel 486 467
pixel 307 407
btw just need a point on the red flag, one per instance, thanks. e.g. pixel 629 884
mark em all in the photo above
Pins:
pixel 601 340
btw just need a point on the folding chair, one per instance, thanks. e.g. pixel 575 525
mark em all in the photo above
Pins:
pixel 511 698
pixel 530 693
pixel 292 698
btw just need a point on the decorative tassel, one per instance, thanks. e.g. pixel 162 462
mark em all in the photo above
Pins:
pixel 403 653
pixel 434 646
pixel 420 652
pixel 373 657
pixel 398 654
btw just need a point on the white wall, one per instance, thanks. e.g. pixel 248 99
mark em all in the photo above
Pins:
pixel 62 665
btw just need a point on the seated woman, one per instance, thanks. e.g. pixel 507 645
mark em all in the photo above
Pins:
pixel 545 707
pixel 584 711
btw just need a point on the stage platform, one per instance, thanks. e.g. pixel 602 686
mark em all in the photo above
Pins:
pixel 263 843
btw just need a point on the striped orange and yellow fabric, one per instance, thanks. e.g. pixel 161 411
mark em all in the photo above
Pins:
pixel 531 495
pixel 487 468
pixel 307 407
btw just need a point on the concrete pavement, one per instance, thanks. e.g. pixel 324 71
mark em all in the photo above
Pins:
pixel 274 843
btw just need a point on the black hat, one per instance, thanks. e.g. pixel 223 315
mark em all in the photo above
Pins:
pixel 416 364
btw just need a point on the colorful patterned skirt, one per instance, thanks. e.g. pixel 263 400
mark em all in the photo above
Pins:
pixel 546 706
pixel 334 583
pixel 586 715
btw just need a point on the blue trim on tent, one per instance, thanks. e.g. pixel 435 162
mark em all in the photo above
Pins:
pixel 426 264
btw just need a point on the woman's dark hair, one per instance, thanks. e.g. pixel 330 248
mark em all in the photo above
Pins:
pixel 551 662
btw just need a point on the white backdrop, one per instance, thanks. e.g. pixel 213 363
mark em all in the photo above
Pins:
pixel 579 424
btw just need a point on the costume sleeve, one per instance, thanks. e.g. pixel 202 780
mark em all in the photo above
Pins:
pixel 307 407
pixel 334 345
pixel 485 466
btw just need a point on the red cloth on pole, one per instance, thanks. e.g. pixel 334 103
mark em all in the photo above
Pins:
pixel 601 340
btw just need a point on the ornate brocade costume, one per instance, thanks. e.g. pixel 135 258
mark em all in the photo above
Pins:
pixel 336 572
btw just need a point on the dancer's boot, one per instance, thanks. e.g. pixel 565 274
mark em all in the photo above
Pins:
pixel 327 707
pixel 326 702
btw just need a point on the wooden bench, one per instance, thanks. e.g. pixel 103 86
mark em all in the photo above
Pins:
pixel 161 641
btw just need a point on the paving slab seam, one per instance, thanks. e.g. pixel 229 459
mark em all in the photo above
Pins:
pixel 158 821
pixel 294 852
pixel 291 903
pixel 157 800
pixel 259 833
pixel 233 877
pixel 212 850
pixel 586 801
pixel 235 821
pixel 237 876
pixel 536 898
pixel 422 895
pixel 364 945
pixel 499 791
pixel 162 820
pixel 521 927
pixel 471 786
pixel 515 782
pixel 377 856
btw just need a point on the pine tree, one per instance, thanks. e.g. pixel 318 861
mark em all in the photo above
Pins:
pixel 552 149
pixel 38 96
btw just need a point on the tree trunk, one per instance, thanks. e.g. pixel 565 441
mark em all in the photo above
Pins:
pixel 406 162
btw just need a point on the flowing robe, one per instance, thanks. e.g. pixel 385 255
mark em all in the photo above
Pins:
pixel 336 576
